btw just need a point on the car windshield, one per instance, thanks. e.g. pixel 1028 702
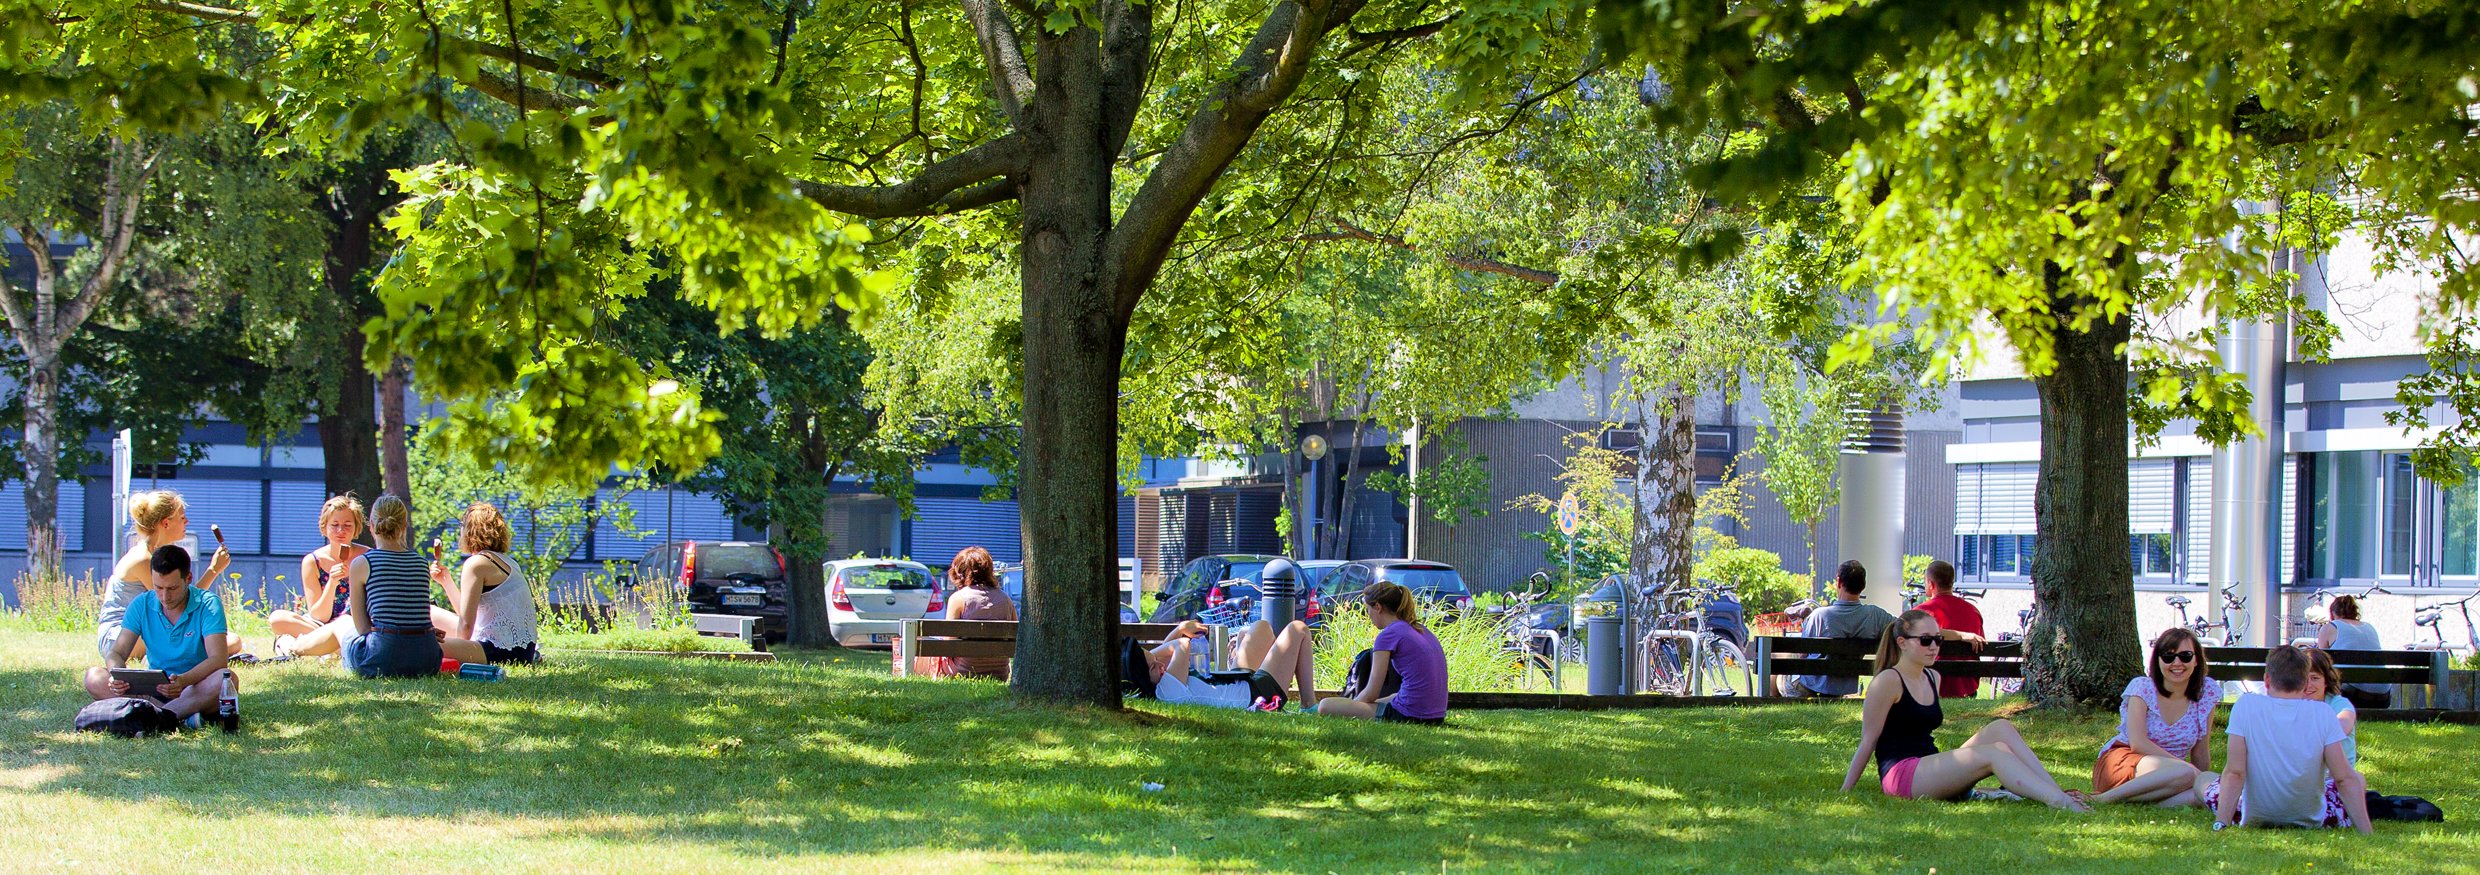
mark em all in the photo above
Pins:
pixel 886 577
pixel 1428 580
pixel 719 561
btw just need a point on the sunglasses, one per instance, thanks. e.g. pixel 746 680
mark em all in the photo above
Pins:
pixel 1929 640
pixel 2181 656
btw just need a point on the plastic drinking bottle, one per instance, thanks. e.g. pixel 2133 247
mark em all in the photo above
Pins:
pixel 449 665
pixel 478 671
pixel 228 707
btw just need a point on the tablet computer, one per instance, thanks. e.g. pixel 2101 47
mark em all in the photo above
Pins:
pixel 142 681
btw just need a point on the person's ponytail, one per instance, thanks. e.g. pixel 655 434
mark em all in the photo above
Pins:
pixel 1395 599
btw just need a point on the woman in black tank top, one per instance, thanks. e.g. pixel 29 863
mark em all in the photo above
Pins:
pixel 1899 720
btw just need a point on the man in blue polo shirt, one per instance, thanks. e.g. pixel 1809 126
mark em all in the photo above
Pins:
pixel 183 629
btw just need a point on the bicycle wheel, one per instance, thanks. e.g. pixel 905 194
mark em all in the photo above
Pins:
pixel 1723 671
pixel 1663 673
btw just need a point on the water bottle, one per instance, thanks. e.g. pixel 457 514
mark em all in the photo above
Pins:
pixel 477 671
pixel 228 707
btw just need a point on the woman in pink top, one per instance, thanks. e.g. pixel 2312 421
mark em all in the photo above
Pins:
pixel 2165 730
pixel 974 582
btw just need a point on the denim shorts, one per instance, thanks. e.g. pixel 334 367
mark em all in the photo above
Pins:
pixel 393 653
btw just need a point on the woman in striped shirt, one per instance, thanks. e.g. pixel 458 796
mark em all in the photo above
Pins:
pixel 391 601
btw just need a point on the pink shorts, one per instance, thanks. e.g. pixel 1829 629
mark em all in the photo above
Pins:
pixel 1898 780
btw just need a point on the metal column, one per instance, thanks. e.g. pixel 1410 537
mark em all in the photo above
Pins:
pixel 2247 474
pixel 1870 525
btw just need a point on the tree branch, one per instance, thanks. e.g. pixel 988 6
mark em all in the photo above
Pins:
pixel 961 181
pixel 1010 79
pixel 19 325
pixel 1127 59
pixel 1417 31
pixel 1268 71
pixel 507 90
pixel 122 201
pixel 1348 231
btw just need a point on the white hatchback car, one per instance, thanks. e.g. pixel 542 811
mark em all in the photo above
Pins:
pixel 868 600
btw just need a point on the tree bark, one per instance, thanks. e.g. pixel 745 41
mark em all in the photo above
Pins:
pixel 349 427
pixel 1662 542
pixel 392 452
pixel 2081 648
pixel 1075 334
pixel 41 452
pixel 801 512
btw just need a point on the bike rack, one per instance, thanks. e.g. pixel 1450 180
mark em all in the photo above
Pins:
pixel 1558 659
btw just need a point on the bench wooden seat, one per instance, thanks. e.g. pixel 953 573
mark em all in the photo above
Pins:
pixel 997 638
pixel 1855 657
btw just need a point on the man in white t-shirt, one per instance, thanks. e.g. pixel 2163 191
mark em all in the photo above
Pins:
pixel 2286 758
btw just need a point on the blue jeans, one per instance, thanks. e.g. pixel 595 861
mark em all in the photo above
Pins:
pixel 386 653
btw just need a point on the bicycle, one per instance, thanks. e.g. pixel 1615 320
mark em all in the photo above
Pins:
pixel 2023 628
pixel 2432 618
pixel 2233 621
pixel 1686 619
pixel 1530 633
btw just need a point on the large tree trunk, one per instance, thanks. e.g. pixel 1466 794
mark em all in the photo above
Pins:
pixel 1662 542
pixel 349 428
pixel 1074 336
pixel 801 516
pixel 2082 648
pixel 397 468
pixel 41 452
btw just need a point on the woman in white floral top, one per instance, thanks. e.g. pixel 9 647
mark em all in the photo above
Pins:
pixel 2165 729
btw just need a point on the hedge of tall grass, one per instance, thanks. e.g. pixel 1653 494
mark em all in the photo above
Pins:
pixel 1476 658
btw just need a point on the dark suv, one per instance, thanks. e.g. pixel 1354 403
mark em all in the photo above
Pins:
pixel 724 577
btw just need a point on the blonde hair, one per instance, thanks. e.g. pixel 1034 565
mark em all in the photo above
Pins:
pixel 1395 599
pixel 390 517
pixel 151 509
pixel 342 504
pixel 485 529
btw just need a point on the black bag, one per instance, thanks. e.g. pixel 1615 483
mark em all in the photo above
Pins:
pixel 127 717
pixel 1358 678
pixel 2403 808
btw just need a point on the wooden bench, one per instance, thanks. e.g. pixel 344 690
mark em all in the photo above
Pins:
pixel 997 638
pixel 1855 657
pixel 730 626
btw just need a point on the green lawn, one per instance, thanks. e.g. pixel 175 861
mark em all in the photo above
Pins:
pixel 823 763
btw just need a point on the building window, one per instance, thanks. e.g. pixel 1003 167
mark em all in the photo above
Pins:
pixel 2342 516
pixel 2402 495
pixel 2151 554
pixel 2462 535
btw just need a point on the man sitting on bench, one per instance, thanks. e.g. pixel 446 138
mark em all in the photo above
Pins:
pixel 1845 617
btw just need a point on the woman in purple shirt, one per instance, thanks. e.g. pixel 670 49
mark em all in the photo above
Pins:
pixel 1405 647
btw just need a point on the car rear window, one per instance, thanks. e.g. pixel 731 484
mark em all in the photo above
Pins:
pixel 719 561
pixel 1253 572
pixel 887 577
pixel 1425 579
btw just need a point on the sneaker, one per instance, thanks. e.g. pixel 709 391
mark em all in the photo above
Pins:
pixel 1998 795
pixel 242 659
pixel 194 721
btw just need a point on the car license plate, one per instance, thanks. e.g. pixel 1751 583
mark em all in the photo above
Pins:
pixel 882 639
pixel 749 600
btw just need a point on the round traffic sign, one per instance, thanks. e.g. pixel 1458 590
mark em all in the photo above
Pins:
pixel 1571 514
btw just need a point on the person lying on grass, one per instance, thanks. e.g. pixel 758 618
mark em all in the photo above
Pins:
pixel 2165 728
pixel 1901 713
pixel 1405 647
pixel 2287 765
pixel 1171 668
pixel 182 628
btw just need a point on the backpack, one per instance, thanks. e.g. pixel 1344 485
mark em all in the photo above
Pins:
pixel 1358 678
pixel 2404 808
pixel 127 717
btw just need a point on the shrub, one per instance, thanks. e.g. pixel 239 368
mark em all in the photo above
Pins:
pixel 1764 587
pixel 1476 660
pixel 49 600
